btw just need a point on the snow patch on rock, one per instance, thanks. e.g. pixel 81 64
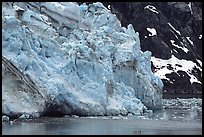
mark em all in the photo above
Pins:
pixel 186 66
pixel 152 31
pixel 183 48
pixel 151 8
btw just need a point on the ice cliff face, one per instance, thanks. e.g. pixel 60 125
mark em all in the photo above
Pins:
pixel 65 59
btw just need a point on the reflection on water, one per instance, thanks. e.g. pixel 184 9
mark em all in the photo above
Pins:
pixel 169 121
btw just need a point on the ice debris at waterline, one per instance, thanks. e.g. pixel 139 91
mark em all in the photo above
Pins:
pixel 61 58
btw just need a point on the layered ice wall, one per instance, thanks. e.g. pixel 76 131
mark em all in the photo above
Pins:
pixel 68 59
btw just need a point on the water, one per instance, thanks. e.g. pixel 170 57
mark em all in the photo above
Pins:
pixel 183 119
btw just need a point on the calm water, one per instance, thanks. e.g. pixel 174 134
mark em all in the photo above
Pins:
pixel 170 121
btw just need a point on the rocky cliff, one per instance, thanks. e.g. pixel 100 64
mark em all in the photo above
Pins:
pixel 62 58
pixel 172 31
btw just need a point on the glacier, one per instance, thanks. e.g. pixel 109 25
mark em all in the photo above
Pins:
pixel 61 58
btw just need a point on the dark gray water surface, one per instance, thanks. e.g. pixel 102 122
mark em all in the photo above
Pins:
pixel 169 121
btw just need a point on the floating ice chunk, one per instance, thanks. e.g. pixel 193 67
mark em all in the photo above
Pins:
pixel 25 116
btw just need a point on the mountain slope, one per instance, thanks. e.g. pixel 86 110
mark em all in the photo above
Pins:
pixel 172 31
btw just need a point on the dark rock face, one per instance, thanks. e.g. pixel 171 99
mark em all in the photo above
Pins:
pixel 178 28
